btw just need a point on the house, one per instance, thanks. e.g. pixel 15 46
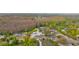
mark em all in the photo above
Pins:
pixel 37 35
pixel 42 28
pixel 19 34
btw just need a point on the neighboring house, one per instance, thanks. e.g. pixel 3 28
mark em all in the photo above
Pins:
pixel 19 35
pixel 42 28
pixel 53 30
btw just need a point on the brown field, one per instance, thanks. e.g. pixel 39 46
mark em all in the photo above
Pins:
pixel 18 23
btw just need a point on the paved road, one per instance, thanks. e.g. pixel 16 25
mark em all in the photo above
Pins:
pixel 40 43
pixel 70 40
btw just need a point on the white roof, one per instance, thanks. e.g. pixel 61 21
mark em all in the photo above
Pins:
pixel 19 34
pixel 34 34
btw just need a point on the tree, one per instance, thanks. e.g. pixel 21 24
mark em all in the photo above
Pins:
pixel 30 42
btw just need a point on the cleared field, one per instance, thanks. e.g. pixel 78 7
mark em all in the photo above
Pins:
pixel 16 23
pixel 19 23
